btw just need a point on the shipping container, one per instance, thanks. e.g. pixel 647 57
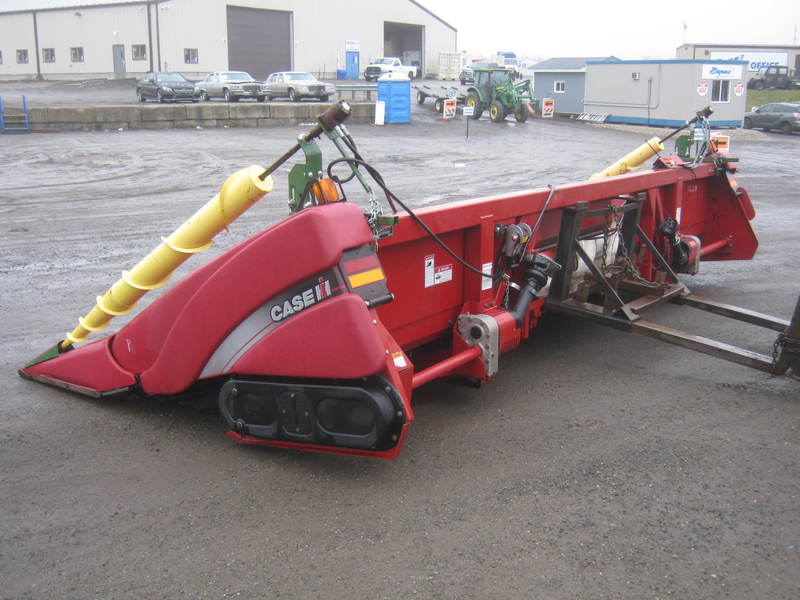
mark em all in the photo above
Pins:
pixel 449 65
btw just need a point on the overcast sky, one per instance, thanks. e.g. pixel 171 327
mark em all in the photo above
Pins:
pixel 628 30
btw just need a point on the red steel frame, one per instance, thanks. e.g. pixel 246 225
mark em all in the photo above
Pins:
pixel 412 340
pixel 709 203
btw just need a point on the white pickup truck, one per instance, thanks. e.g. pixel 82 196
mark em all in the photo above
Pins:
pixel 388 64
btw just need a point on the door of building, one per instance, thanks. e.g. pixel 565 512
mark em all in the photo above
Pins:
pixel 118 51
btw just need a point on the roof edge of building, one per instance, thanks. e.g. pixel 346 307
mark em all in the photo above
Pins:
pixel 696 45
pixel 434 15
pixel 668 61
pixel 80 5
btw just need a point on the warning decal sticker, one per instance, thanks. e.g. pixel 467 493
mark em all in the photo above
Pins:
pixel 435 275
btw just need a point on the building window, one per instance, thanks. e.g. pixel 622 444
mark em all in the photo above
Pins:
pixel 559 87
pixel 49 55
pixel 22 57
pixel 720 90
pixel 139 52
pixel 190 56
pixel 76 54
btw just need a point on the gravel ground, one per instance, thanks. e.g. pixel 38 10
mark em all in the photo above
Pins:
pixel 597 464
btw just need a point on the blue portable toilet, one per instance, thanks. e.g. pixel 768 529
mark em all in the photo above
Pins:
pixel 394 90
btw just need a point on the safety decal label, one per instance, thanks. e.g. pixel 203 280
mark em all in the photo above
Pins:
pixel 399 360
pixel 486 284
pixel 435 275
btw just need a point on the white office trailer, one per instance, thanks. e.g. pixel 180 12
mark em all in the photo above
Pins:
pixel 666 92
pixel 92 38
pixel 756 56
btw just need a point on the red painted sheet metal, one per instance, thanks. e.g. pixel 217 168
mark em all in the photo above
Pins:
pixel 179 336
pixel 704 202
pixel 335 339
pixel 91 367
pixel 526 204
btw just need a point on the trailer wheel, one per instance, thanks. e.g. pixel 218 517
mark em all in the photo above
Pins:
pixel 497 112
pixel 475 103
pixel 421 98
pixel 438 105
pixel 521 114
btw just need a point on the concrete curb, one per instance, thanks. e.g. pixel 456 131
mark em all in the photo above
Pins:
pixel 169 116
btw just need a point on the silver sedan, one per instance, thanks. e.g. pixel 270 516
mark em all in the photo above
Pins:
pixel 296 85
pixel 230 85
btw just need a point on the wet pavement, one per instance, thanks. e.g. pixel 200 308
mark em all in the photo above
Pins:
pixel 597 464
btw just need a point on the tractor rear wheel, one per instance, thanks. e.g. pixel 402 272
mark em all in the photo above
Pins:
pixel 521 113
pixel 475 103
pixel 497 112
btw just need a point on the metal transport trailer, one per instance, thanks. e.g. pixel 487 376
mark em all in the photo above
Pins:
pixel 439 94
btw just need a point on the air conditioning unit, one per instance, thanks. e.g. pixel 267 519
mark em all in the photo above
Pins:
pixel 635 75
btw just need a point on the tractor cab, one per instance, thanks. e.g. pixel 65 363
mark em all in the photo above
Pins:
pixel 494 89
pixel 488 79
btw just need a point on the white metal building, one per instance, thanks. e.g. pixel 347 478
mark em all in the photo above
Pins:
pixel 665 92
pixel 93 38
pixel 756 55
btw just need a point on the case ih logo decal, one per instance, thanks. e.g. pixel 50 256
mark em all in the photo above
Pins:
pixel 299 302
pixel 273 313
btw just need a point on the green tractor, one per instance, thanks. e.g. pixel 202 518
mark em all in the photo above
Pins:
pixel 494 89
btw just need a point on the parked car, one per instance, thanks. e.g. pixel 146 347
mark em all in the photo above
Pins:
pixel 774 76
pixel 296 85
pixel 231 86
pixel 776 115
pixel 164 87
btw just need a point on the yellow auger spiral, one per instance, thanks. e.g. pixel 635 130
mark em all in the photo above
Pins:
pixel 239 192
pixel 632 160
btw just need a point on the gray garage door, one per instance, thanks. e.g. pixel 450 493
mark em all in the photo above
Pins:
pixel 259 40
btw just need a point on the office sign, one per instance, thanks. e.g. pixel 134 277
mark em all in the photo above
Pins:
pixel 722 72
pixel 352 46
pixel 755 60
